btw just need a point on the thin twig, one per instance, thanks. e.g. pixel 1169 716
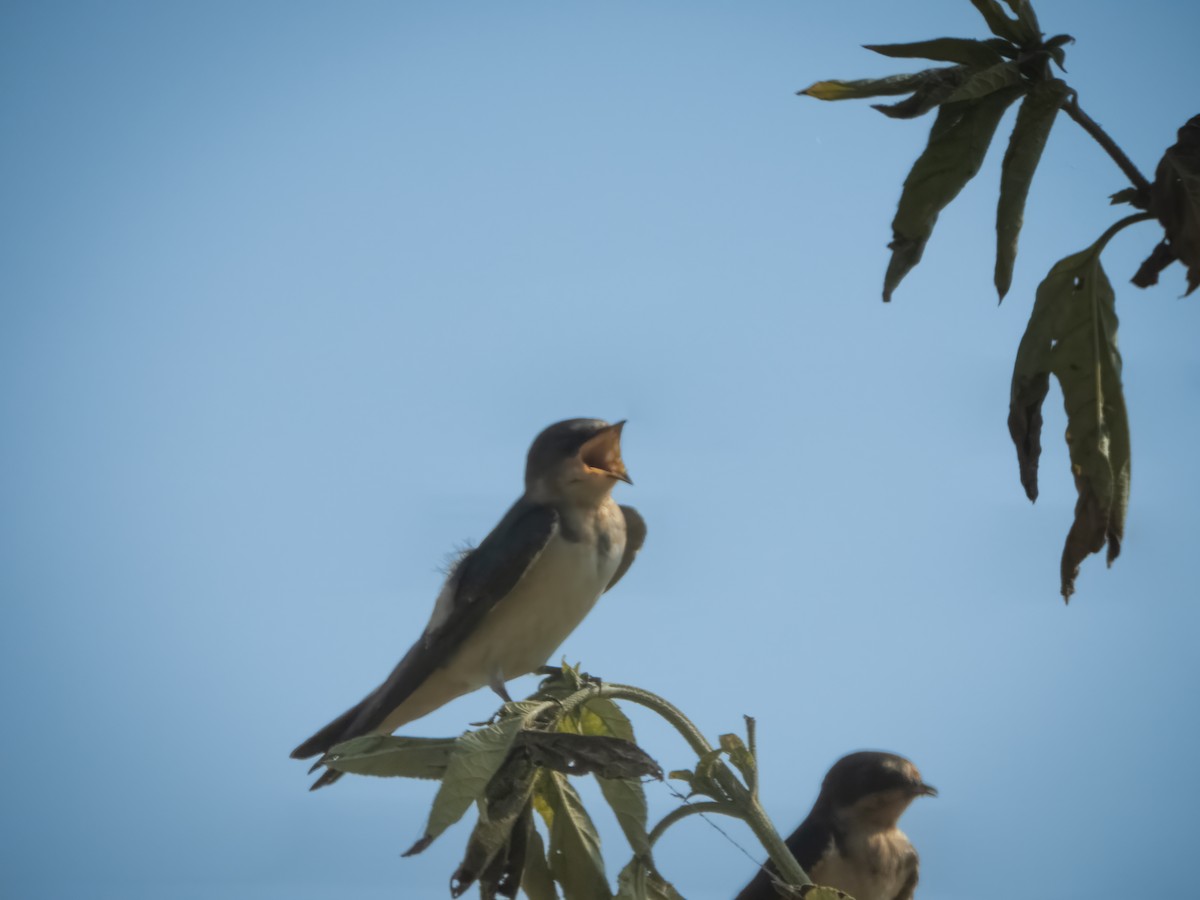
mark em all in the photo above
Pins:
pixel 1088 124
pixel 1121 225
pixel 693 809
pixel 752 811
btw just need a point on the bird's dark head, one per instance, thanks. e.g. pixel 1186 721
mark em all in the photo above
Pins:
pixel 575 459
pixel 872 787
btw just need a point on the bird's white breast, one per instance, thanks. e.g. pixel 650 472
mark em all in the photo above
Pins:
pixel 525 628
pixel 872 866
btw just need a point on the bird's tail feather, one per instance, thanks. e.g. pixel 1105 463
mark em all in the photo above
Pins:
pixel 329 776
pixel 333 733
pixel 320 743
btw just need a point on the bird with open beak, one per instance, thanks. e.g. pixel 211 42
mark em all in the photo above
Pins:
pixel 509 603
pixel 850 841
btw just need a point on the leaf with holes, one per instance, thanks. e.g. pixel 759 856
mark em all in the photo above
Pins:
pixel 495 854
pixel 957 145
pixel 1034 121
pixel 1072 334
pixel 586 754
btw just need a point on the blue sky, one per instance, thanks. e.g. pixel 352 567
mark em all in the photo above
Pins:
pixel 289 287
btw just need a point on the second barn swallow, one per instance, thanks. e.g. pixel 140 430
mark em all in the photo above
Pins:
pixel 507 604
pixel 850 841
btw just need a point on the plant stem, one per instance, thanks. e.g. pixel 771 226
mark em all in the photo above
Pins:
pixel 693 809
pixel 746 803
pixel 1088 124
pixel 1120 225
pixel 752 745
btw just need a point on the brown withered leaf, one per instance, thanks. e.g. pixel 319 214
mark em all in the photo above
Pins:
pixel 584 754
pixel 1175 201
pixel 495 854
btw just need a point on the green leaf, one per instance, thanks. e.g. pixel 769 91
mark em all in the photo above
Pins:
pixel 1055 47
pixel 1003 47
pixel 1072 333
pixel 601 716
pixel 536 880
pixel 1026 16
pixel 638 881
pixel 1175 200
pixel 575 860
pixel 987 81
pixel 386 755
pixel 1034 121
pixel 964 51
pixel 866 87
pixel 933 91
pixel 1001 25
pixel 476 757
pixel 957 145
pixel 628 802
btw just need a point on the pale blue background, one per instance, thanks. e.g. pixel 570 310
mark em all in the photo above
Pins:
pixel 287 290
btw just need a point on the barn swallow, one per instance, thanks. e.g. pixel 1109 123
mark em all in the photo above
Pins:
pixel 850 840
pixel 507 604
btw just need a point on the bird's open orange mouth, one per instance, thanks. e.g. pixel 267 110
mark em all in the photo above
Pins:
pixel 602 453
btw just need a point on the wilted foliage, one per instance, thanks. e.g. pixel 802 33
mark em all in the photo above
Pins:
pixel 1072 330
pixel 522 763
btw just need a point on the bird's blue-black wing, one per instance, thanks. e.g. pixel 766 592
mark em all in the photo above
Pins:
pixel 635 536
pixel 808 844
pixel 482 578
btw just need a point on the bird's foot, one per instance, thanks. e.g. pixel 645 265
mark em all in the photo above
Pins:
pixel 497 685
pixel 557 672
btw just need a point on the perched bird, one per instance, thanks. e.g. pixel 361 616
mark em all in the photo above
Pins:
pixel 507 604
pixel 850 840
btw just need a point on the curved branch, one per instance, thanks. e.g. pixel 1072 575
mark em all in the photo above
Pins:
pixel 1088 124
pixel 667 710
pixel 749 809
pixel 692 809
pixel 1122 224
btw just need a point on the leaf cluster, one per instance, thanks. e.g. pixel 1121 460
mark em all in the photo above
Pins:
pixel 1072 331
pixel 1175 202
pixel 971 96
pixel 518 764
pixel 518 769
